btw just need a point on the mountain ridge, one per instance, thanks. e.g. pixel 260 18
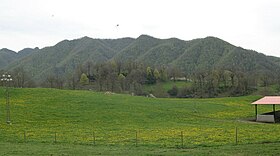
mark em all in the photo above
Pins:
pixel 190 56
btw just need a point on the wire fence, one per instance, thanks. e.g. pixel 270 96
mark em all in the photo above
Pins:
pixel 167 138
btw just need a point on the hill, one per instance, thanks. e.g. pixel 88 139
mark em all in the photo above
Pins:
pixel 73 116
pixel 26 51
pixel 8 57
pixel 137 48
pixel 66 55
pixel 190 56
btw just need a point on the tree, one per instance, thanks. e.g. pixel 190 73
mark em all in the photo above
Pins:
pixel 156 74
pixel 149 71
pixel 163 74
pixel 121 79
pixel 88 64
pixel 72 81
pixel 232 76
pixel 50 81
pixel 150 76
pixel 59 82
pixel 211 85
pixel 136 88
pixel 84 79
pixel 103 71
pixel 19 76
pixel 137 76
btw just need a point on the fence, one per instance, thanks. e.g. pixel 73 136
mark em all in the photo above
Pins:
pixel 166 138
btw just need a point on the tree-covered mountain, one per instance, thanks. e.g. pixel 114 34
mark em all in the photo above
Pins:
pixel 26 51
pixel 165 52
pixel 137 48
pixel 66 55
pixel 7 56
pixel 190 56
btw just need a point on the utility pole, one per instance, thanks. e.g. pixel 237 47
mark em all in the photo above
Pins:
pixel 6 79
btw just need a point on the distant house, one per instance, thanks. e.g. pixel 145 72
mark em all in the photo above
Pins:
pixel 273 116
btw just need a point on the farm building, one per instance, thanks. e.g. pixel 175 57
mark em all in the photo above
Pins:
pixel 273 116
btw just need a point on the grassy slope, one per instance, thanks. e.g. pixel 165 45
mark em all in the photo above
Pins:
pixel 22 149
pixel 73 115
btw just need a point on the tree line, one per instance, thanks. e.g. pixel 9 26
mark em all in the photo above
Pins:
pixel 131 77
pixel 116 76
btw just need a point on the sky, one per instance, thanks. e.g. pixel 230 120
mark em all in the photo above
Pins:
pixel 251 24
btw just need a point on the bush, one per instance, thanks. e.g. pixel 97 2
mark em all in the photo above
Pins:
pixel 173 91
pixel 159 91
pixel 186 92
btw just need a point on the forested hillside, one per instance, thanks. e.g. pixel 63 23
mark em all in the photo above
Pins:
pixel 7 56
pixel 66 61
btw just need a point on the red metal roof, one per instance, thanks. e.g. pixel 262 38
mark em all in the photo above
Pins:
pixel 268 100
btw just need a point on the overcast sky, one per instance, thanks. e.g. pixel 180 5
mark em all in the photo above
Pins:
pixel 251 24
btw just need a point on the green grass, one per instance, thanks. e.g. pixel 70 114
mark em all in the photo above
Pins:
pixel 74 115
pixel 22 149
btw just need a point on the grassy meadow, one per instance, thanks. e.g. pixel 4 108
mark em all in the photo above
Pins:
pixel 23 149
pixel 51 118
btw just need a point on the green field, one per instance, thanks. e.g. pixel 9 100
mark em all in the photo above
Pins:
pixel 23 149
pixel 54 120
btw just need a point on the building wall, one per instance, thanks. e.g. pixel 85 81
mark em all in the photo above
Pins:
pixel 265 118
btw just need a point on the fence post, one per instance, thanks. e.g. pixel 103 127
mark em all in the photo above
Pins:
pixel 136 139
pixel 236 136
pixel 24 136
pixel 182 139
pixel 54 137
pixel 93 135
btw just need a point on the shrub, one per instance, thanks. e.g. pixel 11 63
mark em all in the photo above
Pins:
pixel 173 91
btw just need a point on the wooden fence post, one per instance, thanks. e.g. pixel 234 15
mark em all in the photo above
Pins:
pixel 182 139
pixel 136 139
pixel 24 136
pixel 236 136
pixel 54 137
pixel 93 135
